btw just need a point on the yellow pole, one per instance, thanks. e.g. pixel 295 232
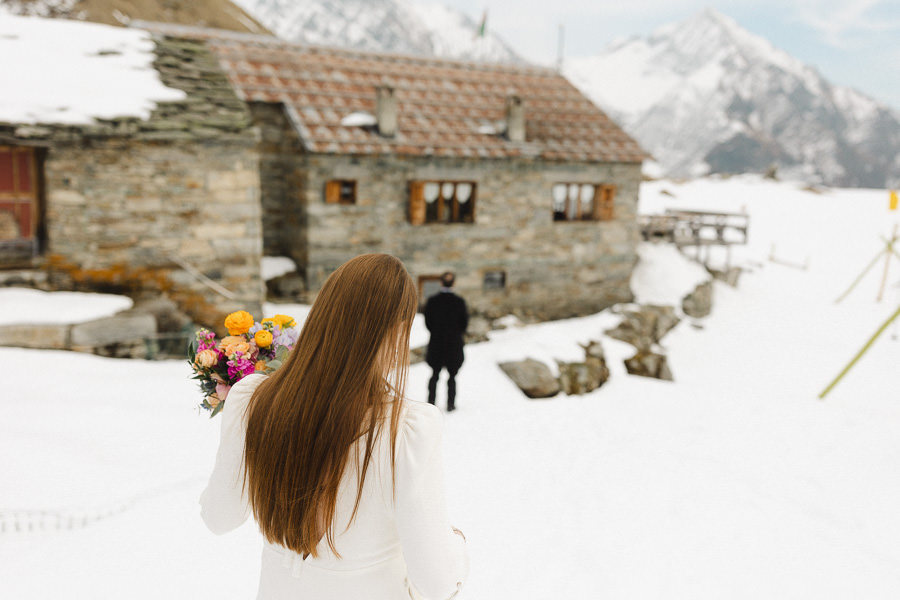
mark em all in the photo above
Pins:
pixel 860 353
pixel 887 263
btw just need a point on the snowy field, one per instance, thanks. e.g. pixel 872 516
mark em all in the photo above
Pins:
pixel 732 482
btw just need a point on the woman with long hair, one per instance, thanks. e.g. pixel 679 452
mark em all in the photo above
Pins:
pixel 342 474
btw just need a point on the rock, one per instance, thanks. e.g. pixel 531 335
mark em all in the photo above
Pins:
pixel 417 355
pixel 649 364
pixel 169 319
pixel 645 327
pixel 730 276
pixel 533 377
pixel 698 303
pixel 477 330
pixel 587 376
pixel 45 336
pixel 290 286
pixel 120 336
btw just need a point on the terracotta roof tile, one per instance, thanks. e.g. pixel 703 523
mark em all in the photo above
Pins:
pixel 445 107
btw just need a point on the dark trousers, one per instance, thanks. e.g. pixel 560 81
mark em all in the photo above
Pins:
pixel 451 385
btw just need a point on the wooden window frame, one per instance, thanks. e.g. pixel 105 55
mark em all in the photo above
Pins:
pixel 446 207
pixel 335 191
pixel 601 206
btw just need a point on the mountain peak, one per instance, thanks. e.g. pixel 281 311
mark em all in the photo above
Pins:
pixel 705 95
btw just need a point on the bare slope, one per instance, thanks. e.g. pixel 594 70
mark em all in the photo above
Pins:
pixel 221 14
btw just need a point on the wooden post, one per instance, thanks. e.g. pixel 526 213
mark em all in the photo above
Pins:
pixel 887 263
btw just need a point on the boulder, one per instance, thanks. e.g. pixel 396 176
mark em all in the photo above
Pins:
pixel 417 355
pixel 169 319
pixel 120 336
pixel 649 364
pixel 587 376
pixel 729 276
pixel 645 327
pixel 477 330
pixel 533 377
pixel 174 329
pixel 698 304
pixel 290 286
pixel 44 336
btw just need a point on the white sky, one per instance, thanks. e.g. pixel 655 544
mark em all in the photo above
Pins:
pixel 851 42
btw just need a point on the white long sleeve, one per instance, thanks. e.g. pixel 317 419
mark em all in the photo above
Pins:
pixel 224 503
pixel 436 557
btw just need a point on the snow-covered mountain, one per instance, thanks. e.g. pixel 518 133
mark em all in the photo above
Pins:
pixel 424 28
pixel 705 95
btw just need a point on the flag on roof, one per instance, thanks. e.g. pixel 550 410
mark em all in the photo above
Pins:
pixel 482 27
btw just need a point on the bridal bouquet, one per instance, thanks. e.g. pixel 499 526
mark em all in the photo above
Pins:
pixel 249 347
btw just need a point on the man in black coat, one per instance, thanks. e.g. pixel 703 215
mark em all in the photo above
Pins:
pixel 446 317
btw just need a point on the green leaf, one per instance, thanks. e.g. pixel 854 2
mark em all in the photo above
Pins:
pixel 192 348
pixel 273 364
pixel 217 409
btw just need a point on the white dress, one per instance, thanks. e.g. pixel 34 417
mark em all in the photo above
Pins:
pixel 399 546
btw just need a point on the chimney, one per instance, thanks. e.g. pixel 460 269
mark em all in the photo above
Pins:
pixel 386 110
pixel 515 119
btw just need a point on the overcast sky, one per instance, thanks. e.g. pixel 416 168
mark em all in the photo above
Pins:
pixel 851 42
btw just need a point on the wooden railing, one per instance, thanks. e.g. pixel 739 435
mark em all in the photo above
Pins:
pixel 696 228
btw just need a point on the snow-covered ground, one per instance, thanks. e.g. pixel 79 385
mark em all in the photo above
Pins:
pixel 734 481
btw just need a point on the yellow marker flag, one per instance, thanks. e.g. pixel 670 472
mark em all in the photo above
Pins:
pixel 893 199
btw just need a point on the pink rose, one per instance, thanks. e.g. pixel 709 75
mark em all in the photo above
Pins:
pixel 222 390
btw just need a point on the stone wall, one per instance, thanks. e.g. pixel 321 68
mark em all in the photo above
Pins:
pixel 553 269
pixel 153 207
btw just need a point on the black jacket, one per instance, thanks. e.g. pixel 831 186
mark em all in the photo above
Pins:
pixel 446 317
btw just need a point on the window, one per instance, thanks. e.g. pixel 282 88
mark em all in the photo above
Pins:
pixel 429 285
pixel 583 202
pixel 494 280
pixel 441 202
pixel 340 191
pixel 18 194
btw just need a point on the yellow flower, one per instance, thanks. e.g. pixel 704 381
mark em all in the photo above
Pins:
pixel 239 322
pixel 206 358
pixel 234 343
pixel 263 338
pixel 283 320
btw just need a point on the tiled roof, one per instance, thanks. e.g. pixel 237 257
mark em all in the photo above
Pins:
pixel 445 107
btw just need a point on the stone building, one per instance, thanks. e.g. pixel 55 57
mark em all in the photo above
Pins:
pixel 165 204
pixel 506 175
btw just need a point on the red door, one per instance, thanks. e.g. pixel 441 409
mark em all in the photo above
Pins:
pixel 18 193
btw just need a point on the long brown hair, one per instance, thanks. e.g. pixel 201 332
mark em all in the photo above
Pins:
pixel 335 388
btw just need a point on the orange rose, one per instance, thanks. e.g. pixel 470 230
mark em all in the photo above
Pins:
pixel 206 358
pixel 263 338
pixel 239 322
pixel 233 344
pixel 260 365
